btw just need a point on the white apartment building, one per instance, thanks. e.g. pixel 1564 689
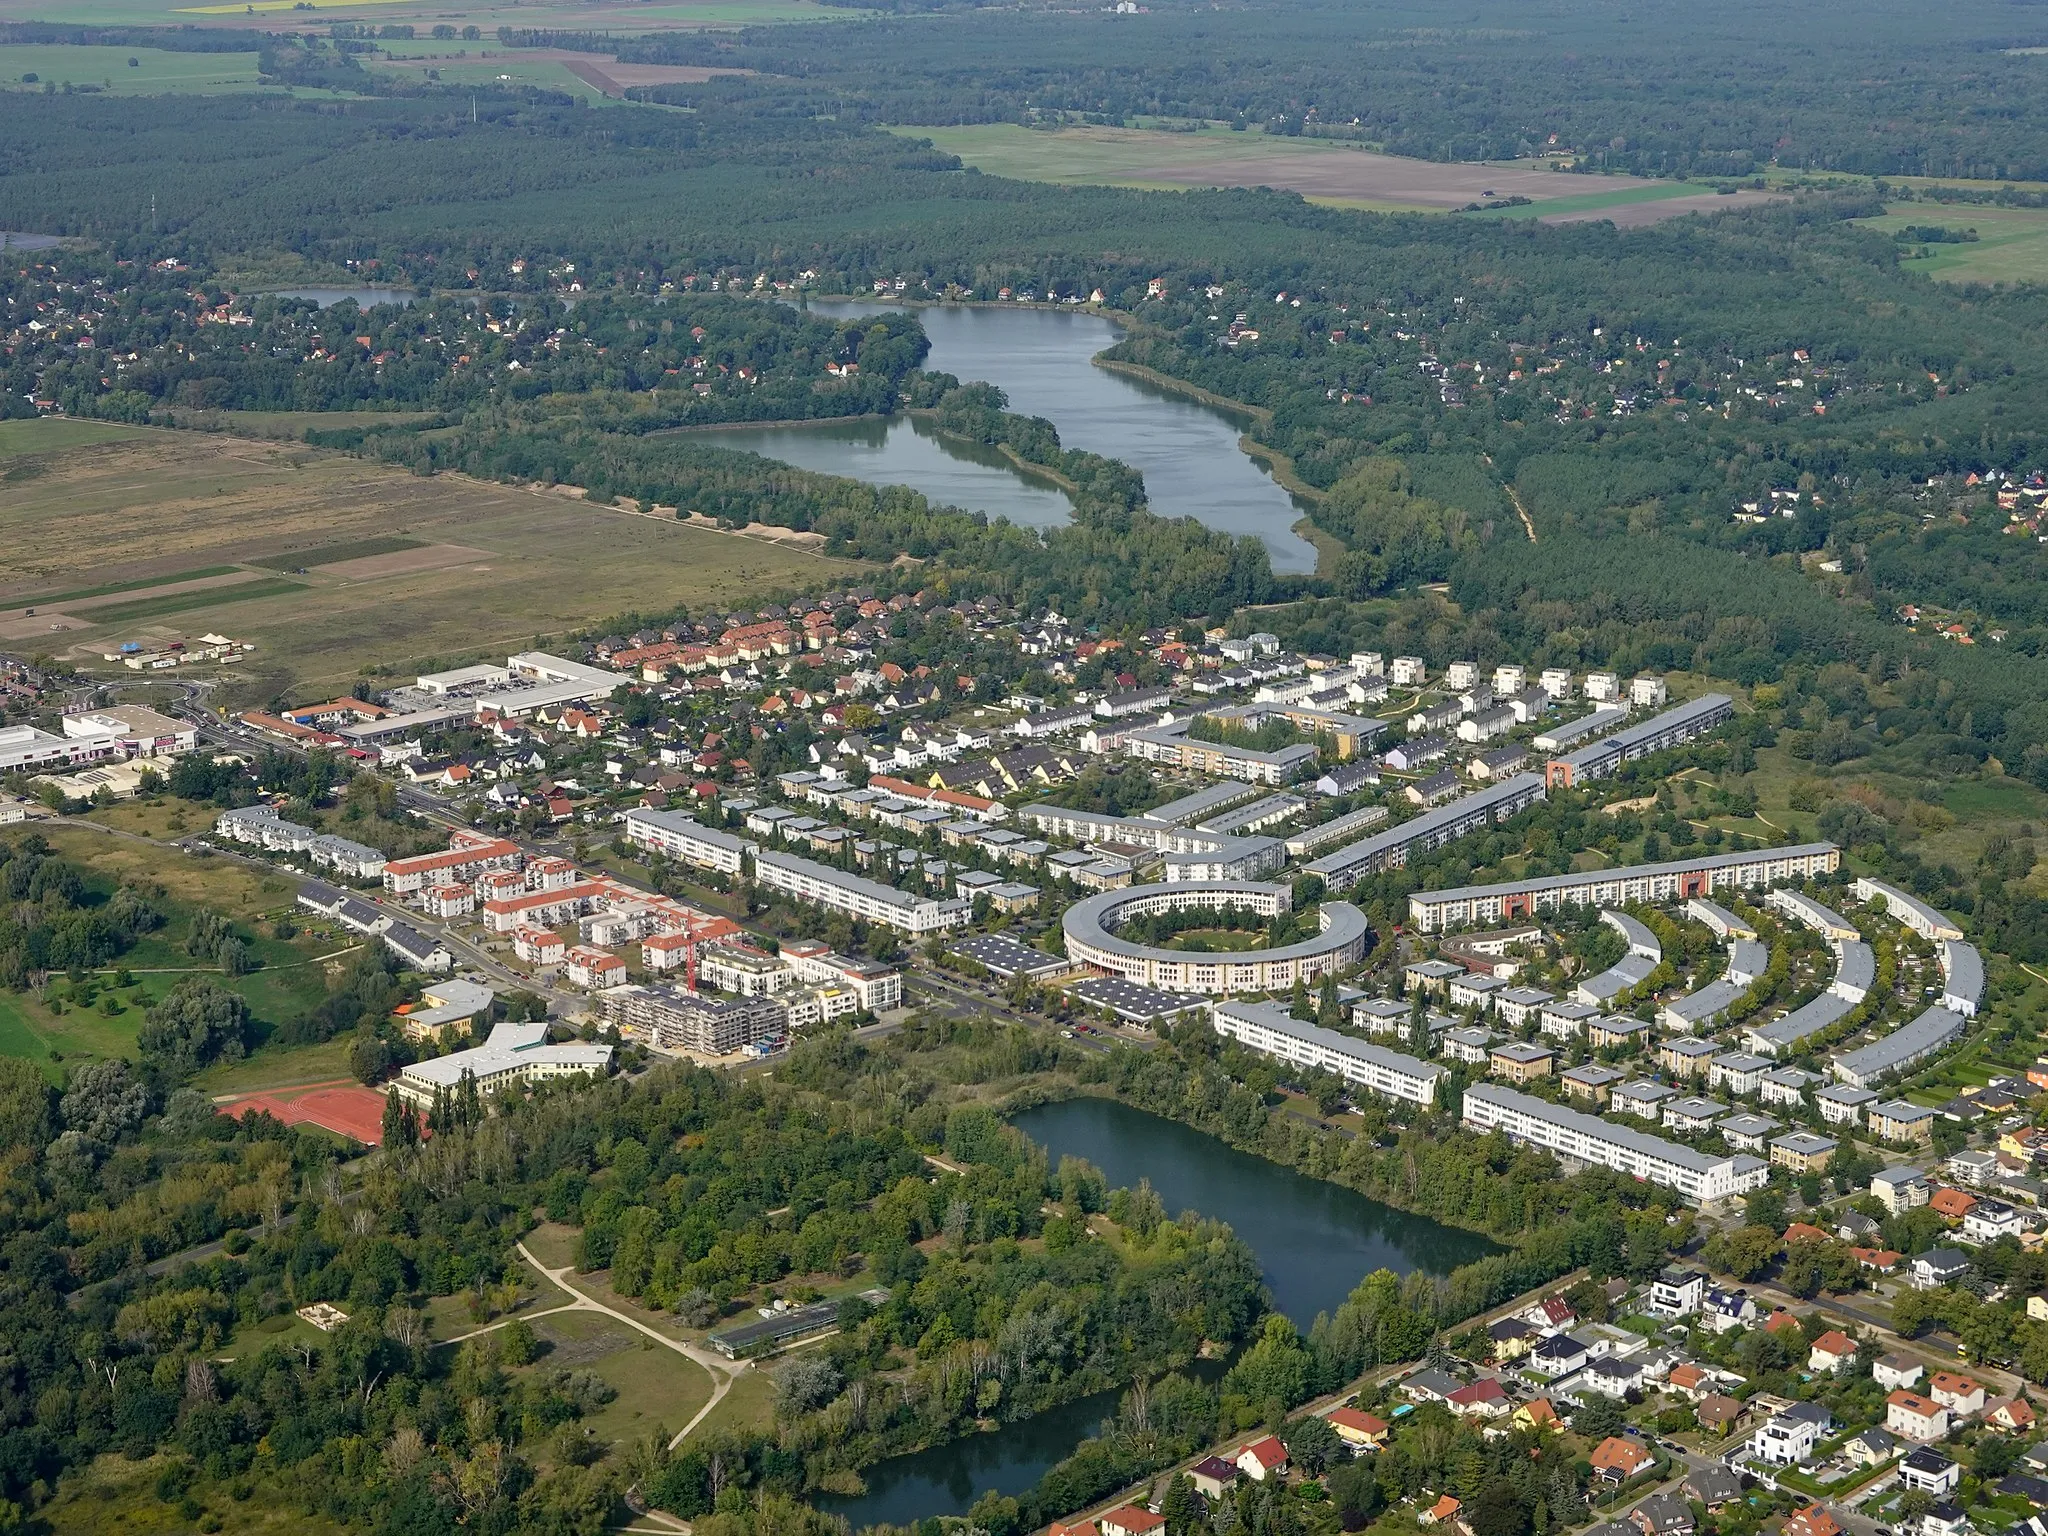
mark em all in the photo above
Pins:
pixel 869 900
pixel 676 836
pixel 1699 1176
pixel 1271 1029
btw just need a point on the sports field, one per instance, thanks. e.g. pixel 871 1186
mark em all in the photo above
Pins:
pixel 2011 244
pixel 328 563
pixel 1324 172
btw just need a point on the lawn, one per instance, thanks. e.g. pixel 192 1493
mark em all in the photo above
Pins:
pixel 658 1388
pixel 750 1405
pixel 278 1066
pixel 2011 244
pixel 553 1244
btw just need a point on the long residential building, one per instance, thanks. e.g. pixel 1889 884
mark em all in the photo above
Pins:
pixel 1962 971
pixel 677 836
pixel 1271 1030
pixel 670 1019
pixel 1910 910
pixel 1783 1034
pixel 1656 884
pixel 1432 829
pixel 1171 745
pixel 869 900
pixel 1192 853
pixel 1596 725
pixel 1904 1046
pixel 1702 1177
pixel 1090 929
pixel 468 855
pixel 1672 728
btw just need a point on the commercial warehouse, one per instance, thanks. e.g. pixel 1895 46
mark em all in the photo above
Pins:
pixel 1679 880
pixel 1701 1177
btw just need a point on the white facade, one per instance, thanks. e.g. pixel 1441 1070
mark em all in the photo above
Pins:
pixel 1699 1176
pixel 676 836
pixel 1270 1029
pixel 869 900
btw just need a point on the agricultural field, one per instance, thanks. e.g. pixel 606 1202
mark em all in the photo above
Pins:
pixel 126 71
pixel 328 563
pixel 2011 244
pixel 286 15
pixel 1333 174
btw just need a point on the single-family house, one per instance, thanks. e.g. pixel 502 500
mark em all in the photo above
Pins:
pixel 1537 1414
pixel 1512 1338
pixel 1833 1352
pixel 1262 1459
pixel 1720 1415
pixel 1663 1514
pixel 1938 1267
pixel 1895 1371
pixel 1913 1417
pixel 1486 1398
pixel 1789 1439
pixel 1361 1431
pixel 1814 1520
pixel 1872 1448
pixel 2012 1415
pixel 1618 1458
pixel 1927 1470
pixel 1212 1476
pixel 1132 1520
pixel 1713 1485
pixel 1677 1292
pixel 1960 1395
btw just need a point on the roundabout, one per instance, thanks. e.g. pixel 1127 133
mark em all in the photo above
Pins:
pixel 1093 938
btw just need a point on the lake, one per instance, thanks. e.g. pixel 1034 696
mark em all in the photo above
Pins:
pixel 900 451
pixel 947 1479
pixel 1042 359
pixel 1315 1240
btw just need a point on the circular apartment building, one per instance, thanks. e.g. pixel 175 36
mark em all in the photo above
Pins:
pixel 1091 933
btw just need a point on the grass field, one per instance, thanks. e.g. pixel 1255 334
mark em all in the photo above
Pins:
pixel 108 589
pixel 413 569
pixel 116 1494
pixel 334 554
pixel 749 1405
pixel 2011 244
pixel 657 1387
pixel 57 1032
pixel 156 71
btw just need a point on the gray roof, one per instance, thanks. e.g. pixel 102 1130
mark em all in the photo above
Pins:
pixel 1797 1025
pixel 1342 922
pixel 1484 802
pixel 1275 1016
pixel 1602 1130
pixel 1858 967
pixel 1631 970
pixel 1712 999
pixel 1635 932
pixel 1964 968
pixel 1904 1045
pixel 1748 957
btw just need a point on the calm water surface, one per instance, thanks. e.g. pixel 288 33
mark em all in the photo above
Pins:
pixel 1041 359
pixel 1315 1241
pixel 905 452
pixel 947 1479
